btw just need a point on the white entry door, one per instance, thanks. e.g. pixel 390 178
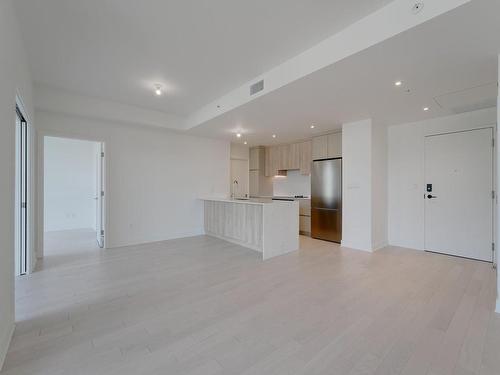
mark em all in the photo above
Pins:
pixel 458 196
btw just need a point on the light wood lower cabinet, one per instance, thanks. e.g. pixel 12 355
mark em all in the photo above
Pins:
pixel 305 225
pixel 305 216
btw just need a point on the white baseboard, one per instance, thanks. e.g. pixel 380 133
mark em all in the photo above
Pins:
pixel 4 345
pixel 355 247
pixel 363 248
pixel 150 240
pixel 380 246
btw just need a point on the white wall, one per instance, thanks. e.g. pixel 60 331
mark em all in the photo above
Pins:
pixel 293 184
pixel 406 184
pixel 498 184
pixel 14 79
pixel 357 185
pixel 70 184
pixel 364 211
pixel 379 186
pixel 240 152
pixel 239 170
pixel 154 176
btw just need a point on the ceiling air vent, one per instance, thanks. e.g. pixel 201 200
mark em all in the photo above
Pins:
pixel 257 87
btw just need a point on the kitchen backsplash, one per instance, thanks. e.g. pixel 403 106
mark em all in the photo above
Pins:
pixel 294 184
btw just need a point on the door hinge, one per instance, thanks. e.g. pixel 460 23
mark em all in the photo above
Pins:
pixel 102 232
pixel 493 246
pixel 492 142
pixel 493 194
pixel 102 193
pixel 23 205
pixel 102 154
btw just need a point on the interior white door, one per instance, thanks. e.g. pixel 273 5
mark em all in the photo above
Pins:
pixel 459 205
pixel 239 178
pixel 100 196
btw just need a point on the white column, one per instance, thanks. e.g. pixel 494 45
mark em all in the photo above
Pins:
pixel 364 211
pixel 357 185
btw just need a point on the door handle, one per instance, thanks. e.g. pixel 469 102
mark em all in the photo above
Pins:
pixel 430 196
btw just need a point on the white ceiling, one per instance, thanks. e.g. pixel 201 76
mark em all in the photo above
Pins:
pixel 199 49
pixel 449 64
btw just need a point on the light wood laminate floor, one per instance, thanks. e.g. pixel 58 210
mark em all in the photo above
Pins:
pixel 204 306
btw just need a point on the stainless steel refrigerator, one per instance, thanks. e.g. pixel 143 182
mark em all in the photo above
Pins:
pixel 326 199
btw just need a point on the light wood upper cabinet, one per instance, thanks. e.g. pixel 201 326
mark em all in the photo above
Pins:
pixel 305 157
pixel 320 147
pixel 334 145
pixel 294 156
pixel 272 160
pixel 327 146
pixel 267 169
pixel 275 160
pixel 255 153
pixel 283 162
pixel 287 157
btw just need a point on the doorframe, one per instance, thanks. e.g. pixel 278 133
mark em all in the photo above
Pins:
pixel 30 235
pixel 494 201
pixel 40 225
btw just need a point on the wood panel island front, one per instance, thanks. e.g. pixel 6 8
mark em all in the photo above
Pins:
pixel 268 226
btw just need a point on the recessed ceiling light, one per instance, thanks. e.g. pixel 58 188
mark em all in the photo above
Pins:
pixel 274 135
pixel 158 89
pixel 426 109
pixel 238 135
pixel 398 83
pixel 312 126
pixel 245 142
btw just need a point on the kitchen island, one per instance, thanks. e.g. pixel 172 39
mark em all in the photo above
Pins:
pixel 268 226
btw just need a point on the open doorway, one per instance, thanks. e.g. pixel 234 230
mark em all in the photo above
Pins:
pixel 73 194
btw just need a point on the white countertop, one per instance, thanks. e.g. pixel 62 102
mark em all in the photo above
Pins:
pixel 282 197
pixel 258 201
